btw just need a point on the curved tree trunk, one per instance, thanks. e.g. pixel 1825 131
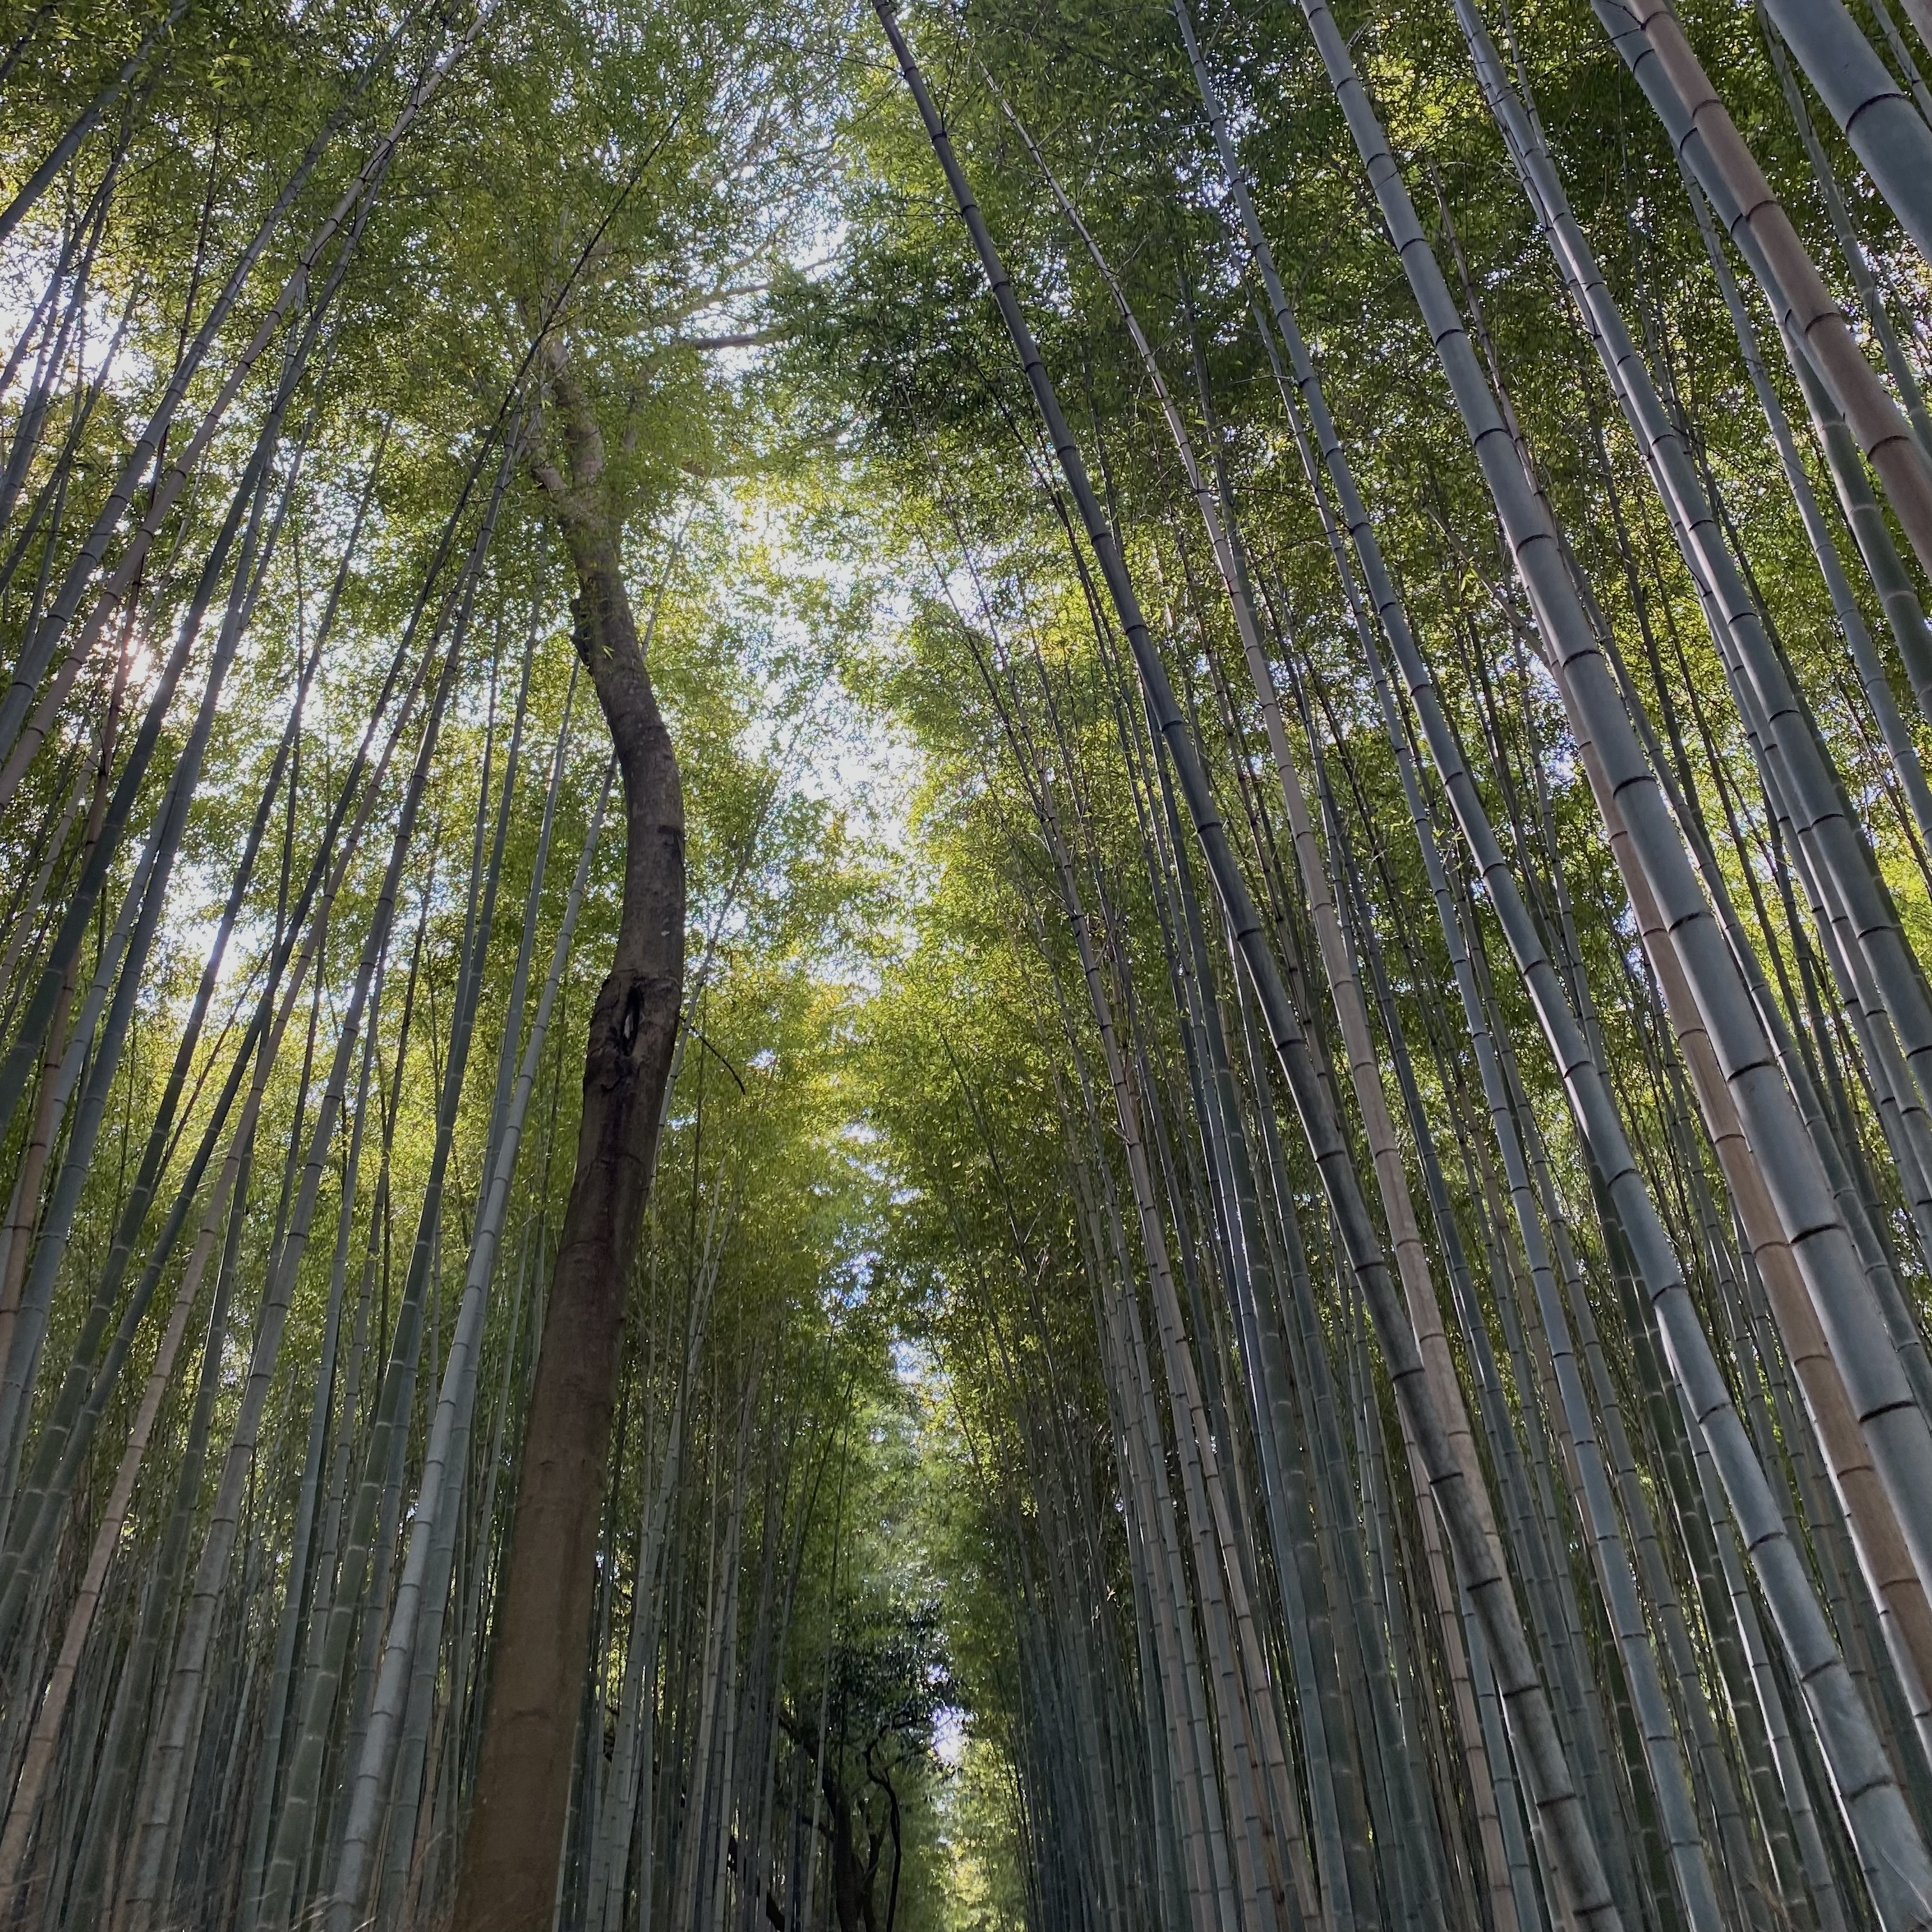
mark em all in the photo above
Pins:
pixel 509 1881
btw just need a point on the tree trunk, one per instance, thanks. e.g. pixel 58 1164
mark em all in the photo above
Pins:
pixel 508 1881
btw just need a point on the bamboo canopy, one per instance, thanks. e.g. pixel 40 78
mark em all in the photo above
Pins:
pixel 964 968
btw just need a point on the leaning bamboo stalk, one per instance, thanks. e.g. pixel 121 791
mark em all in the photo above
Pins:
pixel 1155 1512
pixel 1896 597
pixel 1503 1443
pixel 1874 112
pixel 64 294
pixel 84 123
pixel 1369 1675
pixel 1653 44
pixel 1850 247
pixel 54 847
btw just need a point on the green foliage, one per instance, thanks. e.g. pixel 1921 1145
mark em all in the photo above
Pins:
pixel 877 1238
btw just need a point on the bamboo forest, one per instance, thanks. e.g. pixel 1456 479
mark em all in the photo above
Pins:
pixel 965 966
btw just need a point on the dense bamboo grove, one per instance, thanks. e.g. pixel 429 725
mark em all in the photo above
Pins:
pixel 966 970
